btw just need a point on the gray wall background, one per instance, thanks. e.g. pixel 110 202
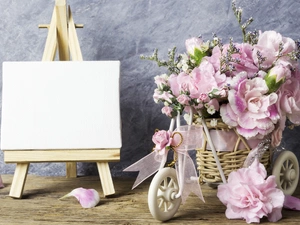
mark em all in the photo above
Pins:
pixel 125 29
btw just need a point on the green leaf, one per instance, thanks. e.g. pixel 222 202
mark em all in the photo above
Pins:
pixel 198 55
pixel 272 84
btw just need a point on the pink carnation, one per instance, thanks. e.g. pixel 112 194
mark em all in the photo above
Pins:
pixel 248 195
pixel 246 62
pixel 289 100
pixel 268 46
pixel 288 106
pixel 250 108
pixel 204 78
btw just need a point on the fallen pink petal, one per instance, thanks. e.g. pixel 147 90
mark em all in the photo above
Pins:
pixel 291 202
pixel 1 183
pixel 88 198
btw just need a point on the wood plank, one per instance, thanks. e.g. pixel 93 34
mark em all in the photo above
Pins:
pixel 73 39
pixel 19 180
pixel 80 155
pixel 105 178
pixel 40 205
pixel 62 30
pixel 51 41
pixel 74 47
pixel 48 25
pixel 71 169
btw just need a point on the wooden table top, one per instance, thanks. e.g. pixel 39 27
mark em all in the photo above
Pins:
pixel 40 204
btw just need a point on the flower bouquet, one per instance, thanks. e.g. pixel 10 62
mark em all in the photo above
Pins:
pixel 244 90
pixel 252 86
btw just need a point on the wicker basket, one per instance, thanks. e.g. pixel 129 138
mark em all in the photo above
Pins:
pixel 230 160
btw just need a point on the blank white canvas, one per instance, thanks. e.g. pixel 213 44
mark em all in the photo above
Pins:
pixel 60 105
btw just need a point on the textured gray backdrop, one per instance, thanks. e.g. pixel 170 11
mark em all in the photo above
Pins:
pixel 125 29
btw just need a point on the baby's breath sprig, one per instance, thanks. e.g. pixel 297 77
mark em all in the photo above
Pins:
pixel 295 55
pixel 252 37
pixel 216 41
pixel 238 14
pixel 171 64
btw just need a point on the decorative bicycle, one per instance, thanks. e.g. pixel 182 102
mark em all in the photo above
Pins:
pixel 168 187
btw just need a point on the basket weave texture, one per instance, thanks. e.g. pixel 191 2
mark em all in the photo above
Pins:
pixel 230 160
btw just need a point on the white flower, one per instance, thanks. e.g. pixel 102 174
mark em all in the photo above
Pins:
pixel 184 57
pixel 211 110
pixel 166 103
pixel 185 67
pixel 164 76
pixel 214 122
pixel 198 120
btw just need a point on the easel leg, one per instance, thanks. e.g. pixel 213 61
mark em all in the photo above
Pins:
pixel 105 178
pixel 19 179
pixel 71 169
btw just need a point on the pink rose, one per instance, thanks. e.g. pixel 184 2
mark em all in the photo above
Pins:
pixel 180 82
pixel 162 139
pixel 248 195
pixel 161 80
pixel 184 83
pixel 268 46
pixel 162 96
pixel 188 84
pixel 183 99
pixel 167 110
pixel 203 97
pixel 249 108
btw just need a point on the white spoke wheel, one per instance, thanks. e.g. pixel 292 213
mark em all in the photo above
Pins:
pixel 161 196
pixel 286 171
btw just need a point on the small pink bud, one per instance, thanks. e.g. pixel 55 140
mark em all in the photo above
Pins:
pixel 88 198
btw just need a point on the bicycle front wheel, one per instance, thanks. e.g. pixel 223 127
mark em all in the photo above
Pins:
pixel 162 200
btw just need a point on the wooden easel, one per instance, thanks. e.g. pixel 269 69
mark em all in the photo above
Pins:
pixel 62 36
